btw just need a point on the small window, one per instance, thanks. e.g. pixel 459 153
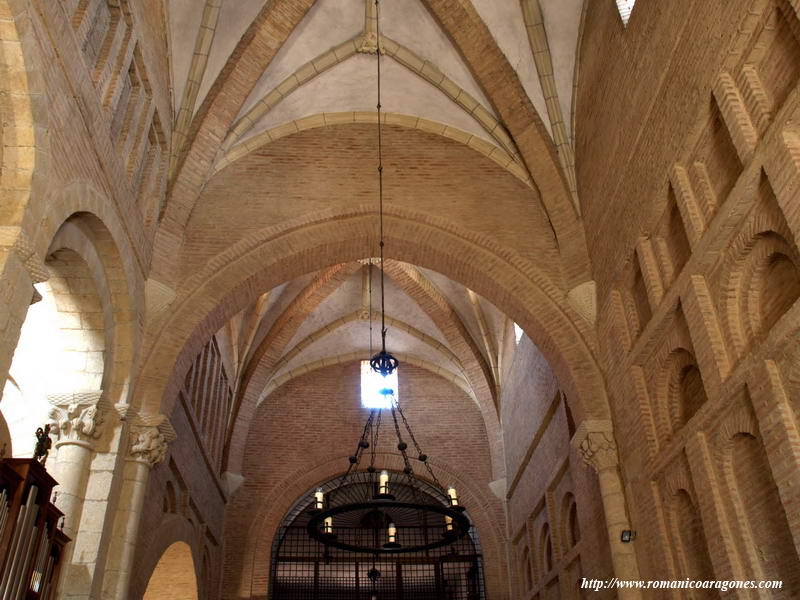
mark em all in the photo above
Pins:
pixel 518 332
pixel 377 391
pixel 625 7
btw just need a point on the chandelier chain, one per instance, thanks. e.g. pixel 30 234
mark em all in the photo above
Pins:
pixel 375 436
pixel 380 174
pixel 355 459
pixel 401 445
pixel 417 446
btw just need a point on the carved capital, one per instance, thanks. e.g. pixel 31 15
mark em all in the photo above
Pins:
pixel 599 450
pixel 76 416
pixel 597 445
pixel 149 438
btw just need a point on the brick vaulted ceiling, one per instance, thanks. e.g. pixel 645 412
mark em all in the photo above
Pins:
pixel 495 77
pixel 274 127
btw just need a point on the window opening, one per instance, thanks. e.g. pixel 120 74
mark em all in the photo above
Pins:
pixel 378 391
pixel 625 7
pixel 518 332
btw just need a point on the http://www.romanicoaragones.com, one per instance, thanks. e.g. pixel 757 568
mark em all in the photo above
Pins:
pixel 677 584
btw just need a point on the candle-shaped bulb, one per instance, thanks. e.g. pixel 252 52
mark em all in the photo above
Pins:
pixel 448 523
pixel 318 499
pixel 392 531
pixel 451 493
pixel 327 525
pixel 383 482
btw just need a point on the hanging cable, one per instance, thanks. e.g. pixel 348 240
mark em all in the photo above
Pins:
pixel 383 362
pixel 369 292
pixel 380 170
pixel 442 515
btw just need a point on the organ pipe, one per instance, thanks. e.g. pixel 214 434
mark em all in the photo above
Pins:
pixel 31 543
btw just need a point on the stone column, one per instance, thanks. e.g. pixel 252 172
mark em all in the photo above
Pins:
pixel 149 436
pixel 596 443
pixel 76 419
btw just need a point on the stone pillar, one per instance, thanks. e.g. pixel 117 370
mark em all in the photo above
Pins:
pixel 149 436
pixel 20 268
pixel 76 419
pixel 596 443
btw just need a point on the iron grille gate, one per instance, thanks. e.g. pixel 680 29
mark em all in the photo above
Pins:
pixel 302 569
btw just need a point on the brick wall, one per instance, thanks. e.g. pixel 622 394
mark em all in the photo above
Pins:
pixel 686 148
pixel 328 169
pixel 313 422
pixel 543 477
pixel 185 501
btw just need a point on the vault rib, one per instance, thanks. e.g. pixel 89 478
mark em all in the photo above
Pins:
pixel 540 49
pixel 197 69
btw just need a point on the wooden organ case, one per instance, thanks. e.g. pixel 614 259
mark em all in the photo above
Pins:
pixel 31 539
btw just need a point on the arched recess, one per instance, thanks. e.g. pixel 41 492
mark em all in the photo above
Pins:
pixel 763 526
pixel 75 338
pixel 761 279
pixel 102 235
pixel 174 576
pixel 687 528
pixel 570 529
pixel 84 221
pixel 274 255
pixel 545 551
pixel 170 504
pixel 174 542
pixel 526 569
pixel 681 392
pixel 775 282
pixel 248 578
pixel 66 338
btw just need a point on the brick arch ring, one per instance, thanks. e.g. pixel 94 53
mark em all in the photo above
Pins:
pixel 252 577
pixel 264 260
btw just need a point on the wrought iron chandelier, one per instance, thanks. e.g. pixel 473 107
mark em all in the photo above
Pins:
pixel 372 510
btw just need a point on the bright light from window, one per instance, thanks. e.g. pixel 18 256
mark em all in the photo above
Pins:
pixel 377 391
pixel 625 7
pixel 518 332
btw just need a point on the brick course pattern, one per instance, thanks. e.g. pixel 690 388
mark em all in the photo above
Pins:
pixel 677 381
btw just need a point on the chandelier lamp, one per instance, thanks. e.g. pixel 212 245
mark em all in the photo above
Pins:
pixel 370 509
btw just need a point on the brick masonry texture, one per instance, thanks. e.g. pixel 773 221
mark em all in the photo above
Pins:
pixel 666 403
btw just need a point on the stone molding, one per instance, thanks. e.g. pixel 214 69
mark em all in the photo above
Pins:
pixel 149 438
pixel 77 416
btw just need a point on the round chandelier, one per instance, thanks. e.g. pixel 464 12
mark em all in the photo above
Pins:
pixel 370 509
pixel 374 511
